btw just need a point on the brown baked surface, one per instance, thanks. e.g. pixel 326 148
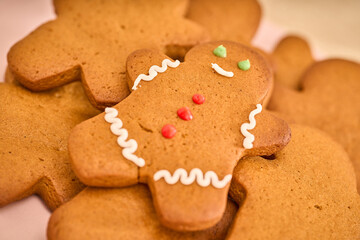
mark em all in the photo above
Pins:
pixel 126 213
pixel 329 101
pixel 34 128
pixel 234 20
pixel 90 40
pixel 291 57
pixel 212 141
pixel 307 192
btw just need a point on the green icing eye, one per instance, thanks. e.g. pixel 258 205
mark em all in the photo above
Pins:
pixel 244 65
pixel 220 51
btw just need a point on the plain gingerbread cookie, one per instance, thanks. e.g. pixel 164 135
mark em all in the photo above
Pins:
pixel 90 40
pixel 34 128
pixel 208 138
pixel 126 213
pixel 330 101
pixel 306 191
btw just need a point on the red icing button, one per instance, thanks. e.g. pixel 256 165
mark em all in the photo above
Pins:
pixel 168 131
pixel 198 99
pixel 184 113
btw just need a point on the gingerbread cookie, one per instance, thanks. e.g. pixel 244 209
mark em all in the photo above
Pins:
pixel 34 128
pixel 235 20
pixel 182 130
pixel 306 191
pixel 90 40
pixel 329 101
pixel 126 213
pixel 291 57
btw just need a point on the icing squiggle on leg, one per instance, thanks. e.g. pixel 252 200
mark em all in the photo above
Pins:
pixel 181 174
pixel 249 138
pixel 153 71
pixel 130 146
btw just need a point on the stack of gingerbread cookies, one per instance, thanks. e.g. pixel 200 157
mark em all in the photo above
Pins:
pixel 157 119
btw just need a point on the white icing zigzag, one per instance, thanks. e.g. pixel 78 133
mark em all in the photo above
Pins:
pixel 129 146
pixel 210 177
pixel 153 71
pixel 221 71
pixel 249 138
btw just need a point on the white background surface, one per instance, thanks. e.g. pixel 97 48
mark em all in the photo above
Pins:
pixel 27 219
pixel 331 26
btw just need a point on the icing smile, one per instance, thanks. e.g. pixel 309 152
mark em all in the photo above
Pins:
pixel 221 71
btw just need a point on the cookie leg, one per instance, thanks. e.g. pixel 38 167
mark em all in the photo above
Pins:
pixel 188 207
pixel 20 178
pixel 17 181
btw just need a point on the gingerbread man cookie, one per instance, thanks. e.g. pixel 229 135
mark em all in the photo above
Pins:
pixel 90 40
pixel 34 128
pixel 306 191
pixel 182 130
pixel 329 101
pixel 290 58
pixel 235 20
pixel 126 213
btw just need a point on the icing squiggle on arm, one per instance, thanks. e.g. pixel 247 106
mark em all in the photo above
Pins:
pixel 210 177
pixel 153 71
pixel 249 138
pixel 221 71
pixel 130 146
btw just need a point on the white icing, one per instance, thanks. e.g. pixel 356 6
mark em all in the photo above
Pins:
pixel 221 71
pixel 210 177
pixel 116 128
pixel 153 71
pixel 249 138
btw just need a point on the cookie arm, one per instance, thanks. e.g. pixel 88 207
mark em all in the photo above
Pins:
pixel 271 135
pixel 44 59
pixel 144 65
pixel 96 157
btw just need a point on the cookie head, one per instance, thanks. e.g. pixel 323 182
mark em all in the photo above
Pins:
pixel 228 73
pixel 240 70
pixel 235 20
